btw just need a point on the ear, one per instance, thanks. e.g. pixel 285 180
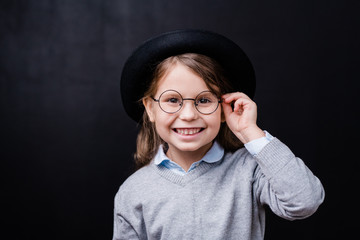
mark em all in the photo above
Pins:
pixel 149 107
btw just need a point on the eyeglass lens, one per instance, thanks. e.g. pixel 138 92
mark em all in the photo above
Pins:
pixel 171 101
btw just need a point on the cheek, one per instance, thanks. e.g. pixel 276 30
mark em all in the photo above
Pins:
pixel 218 118
pixel 214 122
pixel 163 120
pixel 156 115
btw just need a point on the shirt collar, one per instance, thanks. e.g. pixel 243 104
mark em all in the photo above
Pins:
pixel 215 154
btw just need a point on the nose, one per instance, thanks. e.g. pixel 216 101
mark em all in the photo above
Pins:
pixel 188 111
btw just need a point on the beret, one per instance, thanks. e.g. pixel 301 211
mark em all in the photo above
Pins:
pixel 138 69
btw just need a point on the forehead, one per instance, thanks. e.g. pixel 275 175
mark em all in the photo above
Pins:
pixel 182 79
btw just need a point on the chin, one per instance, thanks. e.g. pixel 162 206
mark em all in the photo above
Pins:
pixel 192 147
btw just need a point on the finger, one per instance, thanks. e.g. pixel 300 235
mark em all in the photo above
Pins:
pixel 229 97
pixel 227 109
pixel 240 104
pixel 234 94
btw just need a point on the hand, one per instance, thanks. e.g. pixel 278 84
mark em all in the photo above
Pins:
pixel 241 118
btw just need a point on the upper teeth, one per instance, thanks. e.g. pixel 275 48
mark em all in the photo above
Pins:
pixel 188 131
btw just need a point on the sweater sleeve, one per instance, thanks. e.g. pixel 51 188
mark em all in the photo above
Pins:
pixel 123 229
pixel 285 184
pixel 127 220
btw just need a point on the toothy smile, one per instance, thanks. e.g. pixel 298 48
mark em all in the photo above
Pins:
pixel 187 131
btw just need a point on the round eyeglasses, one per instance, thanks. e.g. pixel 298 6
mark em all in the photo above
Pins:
pixel 171 101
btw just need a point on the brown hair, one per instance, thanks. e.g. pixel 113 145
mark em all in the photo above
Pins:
pixel 148 141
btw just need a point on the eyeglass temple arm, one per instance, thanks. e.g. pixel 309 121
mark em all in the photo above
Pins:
pixel 156 100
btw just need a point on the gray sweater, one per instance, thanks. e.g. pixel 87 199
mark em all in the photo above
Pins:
pixel 222 200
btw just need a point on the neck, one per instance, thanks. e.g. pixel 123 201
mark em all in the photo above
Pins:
pixel 186 158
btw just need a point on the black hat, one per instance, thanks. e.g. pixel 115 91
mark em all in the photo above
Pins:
pixel 138 69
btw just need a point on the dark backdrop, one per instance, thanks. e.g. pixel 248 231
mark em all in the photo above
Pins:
pixel 66 143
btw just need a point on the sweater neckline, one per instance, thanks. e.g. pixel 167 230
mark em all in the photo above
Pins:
pixel 182 180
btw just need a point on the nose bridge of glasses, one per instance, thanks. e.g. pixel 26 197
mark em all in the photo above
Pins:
pixel 192 99
pixel 189 111
pixel 193 106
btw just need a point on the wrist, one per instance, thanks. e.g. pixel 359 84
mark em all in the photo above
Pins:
pixel 250 133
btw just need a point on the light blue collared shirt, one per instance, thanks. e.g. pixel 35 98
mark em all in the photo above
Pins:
pixel 215 154
pixel 255 146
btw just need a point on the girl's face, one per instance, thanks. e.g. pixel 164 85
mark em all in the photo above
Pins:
pixel 186 130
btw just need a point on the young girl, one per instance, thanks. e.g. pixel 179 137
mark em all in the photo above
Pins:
pixel 205 169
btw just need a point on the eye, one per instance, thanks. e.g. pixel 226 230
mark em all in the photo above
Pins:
pixel 204 100
pixel 173 100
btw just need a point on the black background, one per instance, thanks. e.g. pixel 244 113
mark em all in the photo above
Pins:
pixel 67 144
